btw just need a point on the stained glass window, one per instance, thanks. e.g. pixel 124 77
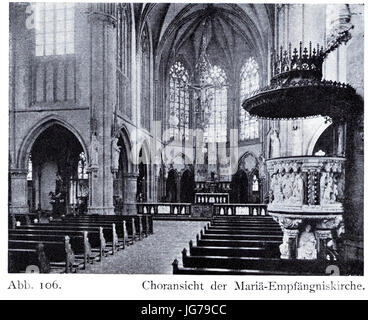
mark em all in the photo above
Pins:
pixel 179 101
pixel 82 167
pixel 123 64
pixel 214 104
pixel 249 82
pixel 255 184
pixel 54 24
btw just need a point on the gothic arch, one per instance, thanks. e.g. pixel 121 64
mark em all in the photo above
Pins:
pixel 187 185
pixel 144 147
pixel 124 136
pixel 172 185
pixel 34 133
pixel 323 127
pixel 248 154
pixel 180 155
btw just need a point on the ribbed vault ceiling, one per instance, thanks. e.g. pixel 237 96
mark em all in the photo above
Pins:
pixel 227 32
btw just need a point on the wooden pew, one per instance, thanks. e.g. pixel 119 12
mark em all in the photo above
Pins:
pixel 118 238
pixel 80 242
pixel 231 272
pixel 241 228
pixel 242 237
pixel 303 267
pixel 94 236
pixel 243 246
pixel 236 243
pixel 58 253
pixel 244 232
pixel 87 233
pixel 143 223
pixel 255 251
pixel 23 219
pixel 20 259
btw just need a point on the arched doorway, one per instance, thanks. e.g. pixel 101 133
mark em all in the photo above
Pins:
pixel 57 176
pixel 187 187
pixel 172 187
pixel 331 142
pixel 239 188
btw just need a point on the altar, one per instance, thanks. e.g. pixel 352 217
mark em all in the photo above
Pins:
pixel 211 198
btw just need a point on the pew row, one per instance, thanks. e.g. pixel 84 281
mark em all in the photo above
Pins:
pixel 74 242
pixel 242 246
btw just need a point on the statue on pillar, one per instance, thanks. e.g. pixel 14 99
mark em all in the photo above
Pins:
pixel 300 188
pixel 115 154
pixel 285 247
pixel 307 248
pixel 274 144
pixel 94 150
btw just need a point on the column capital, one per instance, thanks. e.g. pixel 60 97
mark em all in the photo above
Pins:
pixel 100 16
pixel 287 223
pixel 92 169
pixel 131 175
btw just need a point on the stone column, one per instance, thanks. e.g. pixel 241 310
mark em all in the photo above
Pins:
pixel 290 228
pixel 103 48
pixel 18 190
pixel 322 237
pixel 130 204
pixel 289 246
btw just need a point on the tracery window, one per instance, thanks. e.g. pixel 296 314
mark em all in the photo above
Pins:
pixel 54 30
pixel 249 82
pixel 255 183
pixel 82 167
pixel 214 105
pixel 179 100
pixel 123 65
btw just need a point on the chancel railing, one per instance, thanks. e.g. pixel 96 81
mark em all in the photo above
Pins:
pixel 211 198
pixel 183 209
pixel 234 209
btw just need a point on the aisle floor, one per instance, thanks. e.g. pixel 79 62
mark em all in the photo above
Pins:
pixel 152 255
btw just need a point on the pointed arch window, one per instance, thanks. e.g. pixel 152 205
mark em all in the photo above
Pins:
pixel 214 104
pixel 255 183
pixel 82 167
pixel 54 28
pixel 249 82
pixel 179 100
pixel 123 64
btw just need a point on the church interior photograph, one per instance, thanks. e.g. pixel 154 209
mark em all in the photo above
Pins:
pixel 186 138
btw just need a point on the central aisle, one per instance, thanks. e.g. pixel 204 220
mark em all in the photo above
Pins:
pixel 152 255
